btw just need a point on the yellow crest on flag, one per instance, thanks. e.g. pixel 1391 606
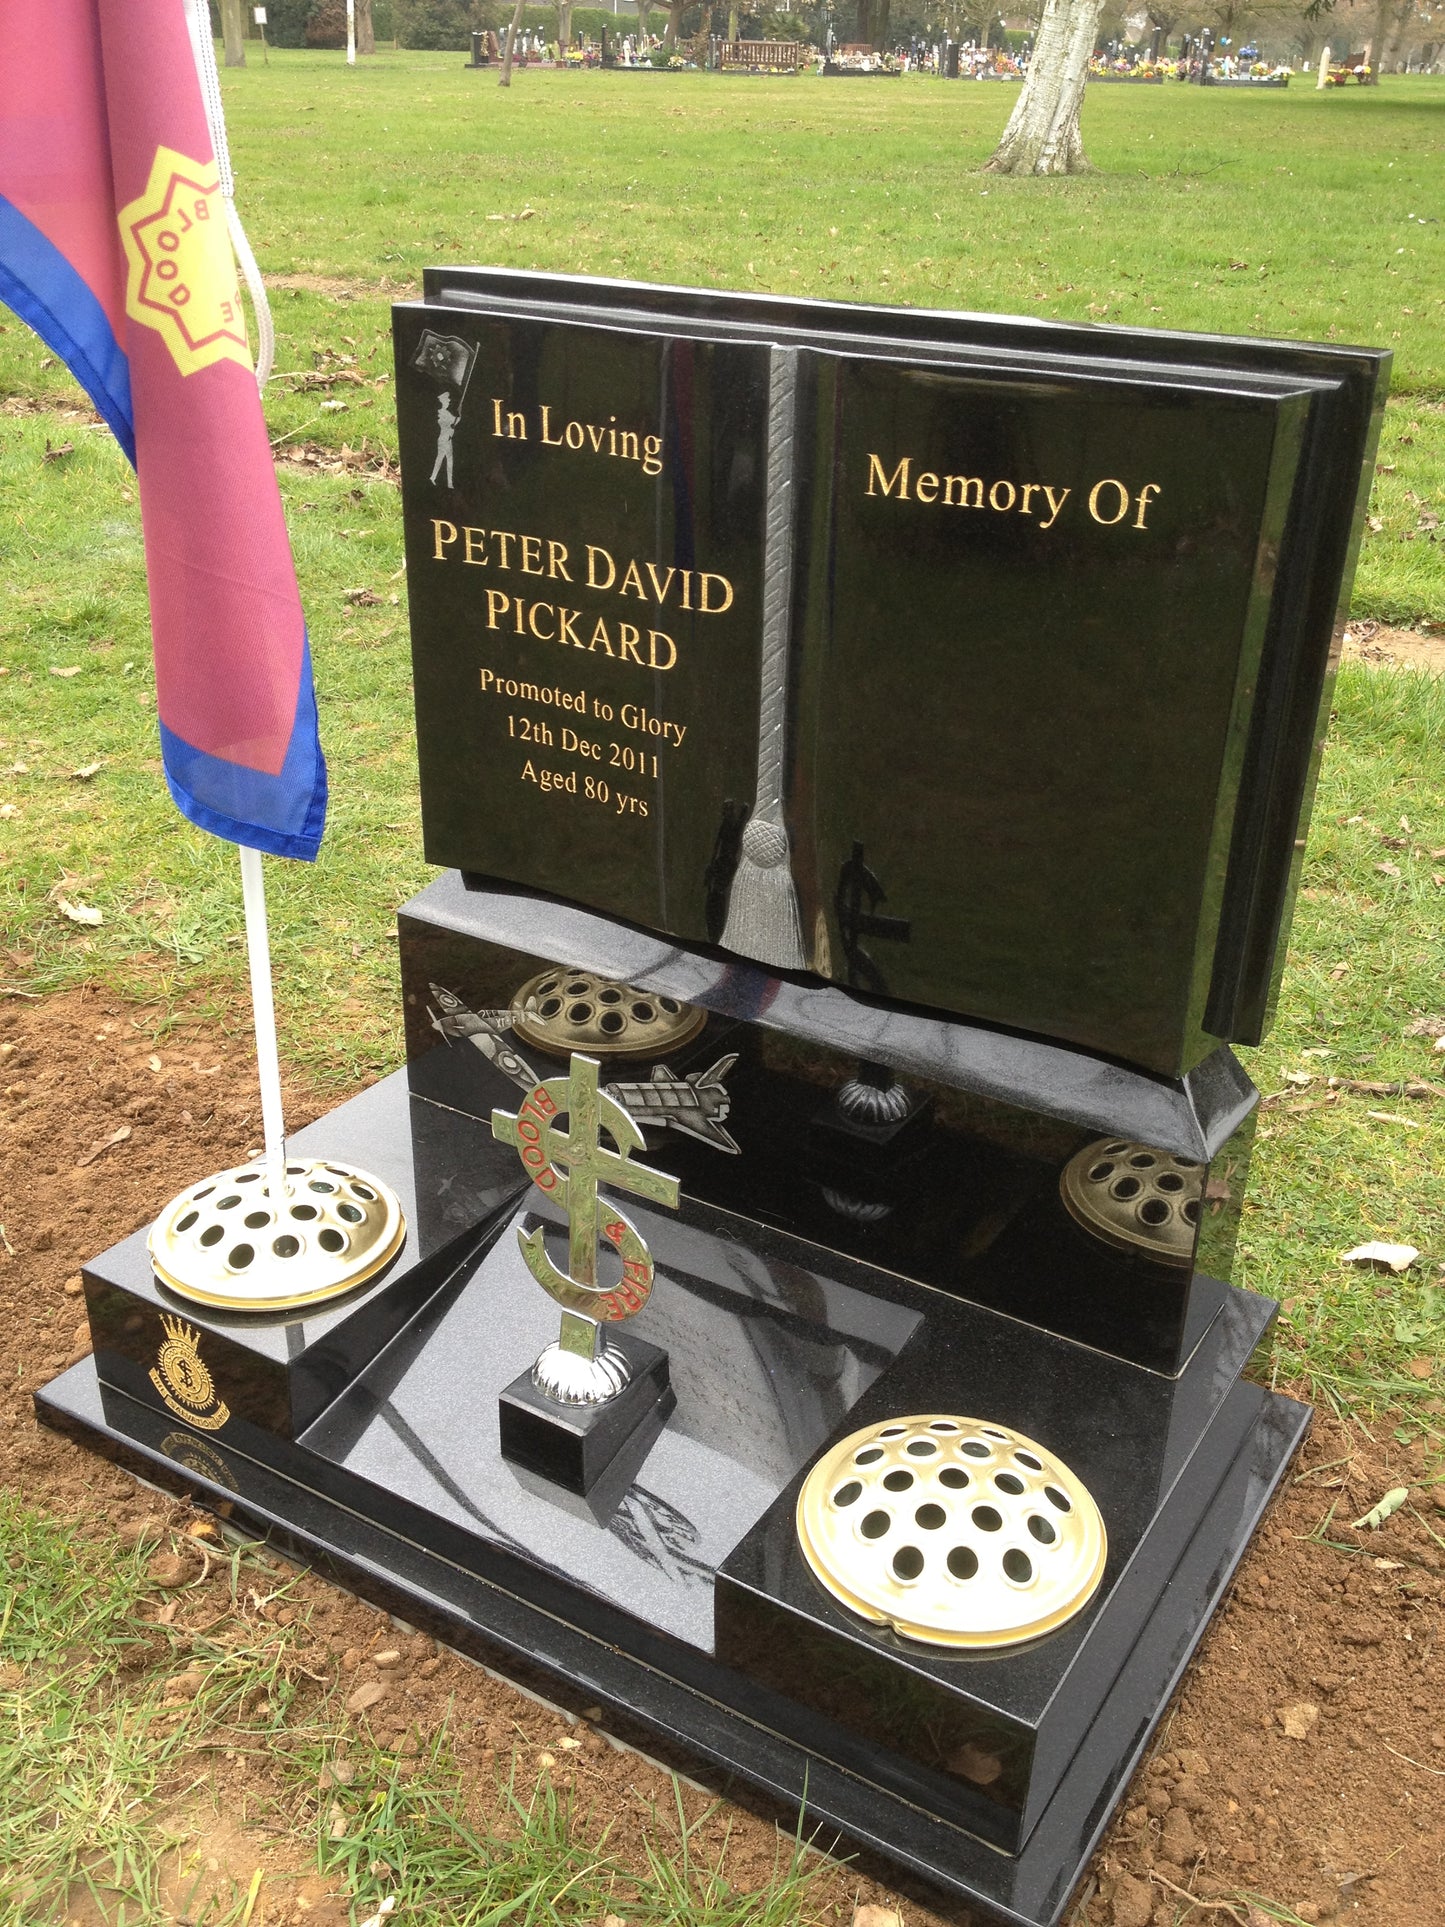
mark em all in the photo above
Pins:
pixel 181 274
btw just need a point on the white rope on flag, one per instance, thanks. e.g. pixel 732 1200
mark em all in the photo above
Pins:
pixel 198 22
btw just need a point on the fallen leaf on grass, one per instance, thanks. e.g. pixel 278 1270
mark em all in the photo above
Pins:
pixel 58 452
pixel 79 912
pixel 360 598
pixel 1388 1565
pixel 1392 1117
pixel 85 772
pixel 153 1063
pixel 1388 869
pixel 96 1150
pixel 1395 1258
pixel 1426 1027
pixel 1389 1505
pixel 72 670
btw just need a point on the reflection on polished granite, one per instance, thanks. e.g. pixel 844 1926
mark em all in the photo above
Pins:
pixel 767 1361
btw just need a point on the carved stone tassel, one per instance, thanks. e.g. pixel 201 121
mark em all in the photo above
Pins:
pixel 762 920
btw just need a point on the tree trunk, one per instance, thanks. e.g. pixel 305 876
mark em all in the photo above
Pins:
pixel 675 11
pixel 564 28
pixel 233 31
pixel 880 24
pixel 864 31
pixel 365 31
pixel 514 27
pixel 644 14
pixel 732 22
pixel 1404 12
pixel 1042 136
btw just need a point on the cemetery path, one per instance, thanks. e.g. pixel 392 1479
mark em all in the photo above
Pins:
pixel 1302 1768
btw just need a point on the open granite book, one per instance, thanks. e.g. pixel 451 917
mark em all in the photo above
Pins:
pixel 973 685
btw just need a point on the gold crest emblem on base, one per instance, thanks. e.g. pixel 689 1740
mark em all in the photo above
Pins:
pixel 183 1379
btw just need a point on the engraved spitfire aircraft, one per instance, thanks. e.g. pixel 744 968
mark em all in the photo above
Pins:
pixel 696 1105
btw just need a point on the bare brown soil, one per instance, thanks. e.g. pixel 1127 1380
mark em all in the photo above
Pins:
pixel 1303 1764
pixel 1374 643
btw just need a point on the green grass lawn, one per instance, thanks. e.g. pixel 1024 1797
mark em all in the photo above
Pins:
pixel 1285 213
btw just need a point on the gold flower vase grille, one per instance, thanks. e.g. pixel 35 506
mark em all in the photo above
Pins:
pixel 952 1531
pixel 559 1011
pixel 227 1242
pixel 1135 1197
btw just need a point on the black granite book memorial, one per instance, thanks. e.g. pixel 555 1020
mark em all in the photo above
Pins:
pixel 1034 638
pixel 870 751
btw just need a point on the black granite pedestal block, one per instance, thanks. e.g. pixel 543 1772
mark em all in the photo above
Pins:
pixel 590 1449
pixel 963 1191
pixel 279 1373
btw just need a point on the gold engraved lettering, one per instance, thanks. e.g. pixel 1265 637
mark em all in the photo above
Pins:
pixel 995 503
pixel 1054 506
pixel 1146 496
pixel 1121 497
pixel 557 561
pixel 632 583
pixel 714 608
pixel 497 605
pixel 956 488
pixel 594 556
pixel 887 483
pixel 627 641
pixel 443 542
pixel 548 440
pixel 926 486
pixel 532 555
pixel 472 547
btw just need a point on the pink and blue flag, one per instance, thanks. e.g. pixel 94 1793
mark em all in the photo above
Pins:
pixel 114 248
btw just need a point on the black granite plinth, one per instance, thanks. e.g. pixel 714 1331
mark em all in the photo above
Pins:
pixel 962 1193
pixel 589 1449
pixel 839 1808
pixel 684 1599
pixel 279 1373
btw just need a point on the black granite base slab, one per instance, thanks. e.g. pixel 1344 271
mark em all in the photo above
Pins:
pixel 589 1449
pixel 775 1347
pixel 1029 1889
pixel 279 1373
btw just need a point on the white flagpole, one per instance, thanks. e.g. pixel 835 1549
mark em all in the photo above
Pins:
pixel 351 33
pixel 253 881
pixel 263 1008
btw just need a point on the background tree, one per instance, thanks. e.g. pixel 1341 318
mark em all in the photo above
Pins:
pixel 514 27
pixel 233 31
pixel 1042 136
pixel 365 28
